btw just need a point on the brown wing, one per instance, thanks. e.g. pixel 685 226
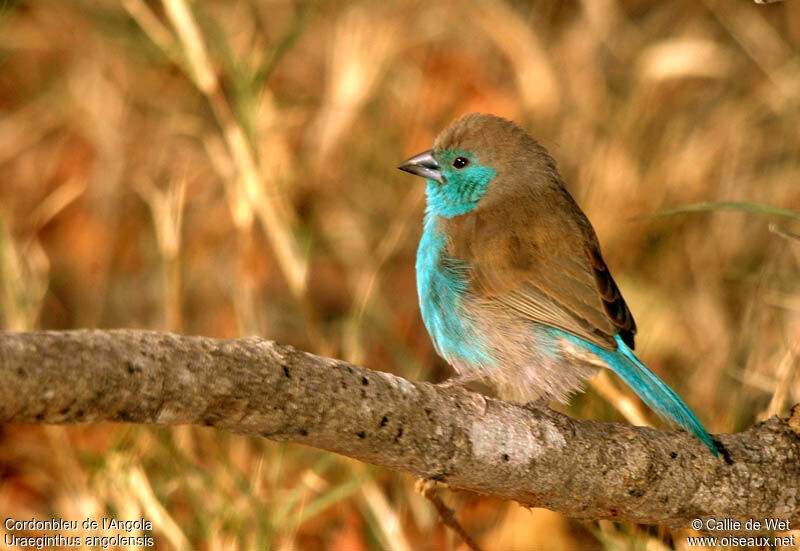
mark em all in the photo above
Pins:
pixel 539 256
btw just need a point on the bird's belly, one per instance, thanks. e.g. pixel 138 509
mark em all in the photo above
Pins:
pixel 532 361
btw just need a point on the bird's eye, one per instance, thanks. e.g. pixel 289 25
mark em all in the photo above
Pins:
pixel 460 162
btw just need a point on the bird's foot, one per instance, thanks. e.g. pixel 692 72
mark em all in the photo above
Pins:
pixel 539 404
pixel 458 380
pixel 481 401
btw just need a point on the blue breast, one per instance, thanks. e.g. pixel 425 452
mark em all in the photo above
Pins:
pixel 441 286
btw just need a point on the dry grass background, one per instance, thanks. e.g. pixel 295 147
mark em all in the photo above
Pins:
pixel 226 168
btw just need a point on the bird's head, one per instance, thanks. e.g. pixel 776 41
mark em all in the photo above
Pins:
pixel 477 160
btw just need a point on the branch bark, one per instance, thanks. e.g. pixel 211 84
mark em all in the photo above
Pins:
pixel 538 457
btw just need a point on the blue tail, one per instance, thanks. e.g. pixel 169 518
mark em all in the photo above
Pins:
pixel 655 392
pixel 652 390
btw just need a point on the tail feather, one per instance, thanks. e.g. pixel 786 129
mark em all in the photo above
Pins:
pixel 655 392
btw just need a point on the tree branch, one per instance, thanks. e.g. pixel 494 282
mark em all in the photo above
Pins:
pixel 539 458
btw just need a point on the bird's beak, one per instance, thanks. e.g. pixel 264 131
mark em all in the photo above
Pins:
pixel 423 165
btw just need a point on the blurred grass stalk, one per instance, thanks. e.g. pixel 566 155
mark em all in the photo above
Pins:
pixel 532 68
pixel 788 369
pixel 247 195
pixel 631 408
pixel 362 46
pixel 166 208
pixel 25 268
pixel 367 281
pixel 126 488
pixel 249 180
pixel 24 276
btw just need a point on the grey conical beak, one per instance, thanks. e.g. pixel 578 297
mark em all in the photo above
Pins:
pixel 423 165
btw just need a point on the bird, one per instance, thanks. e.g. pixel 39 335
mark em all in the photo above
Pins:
pixel 512 286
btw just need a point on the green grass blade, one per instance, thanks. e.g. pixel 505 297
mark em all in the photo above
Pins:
pixel 333 496
pixel 758 208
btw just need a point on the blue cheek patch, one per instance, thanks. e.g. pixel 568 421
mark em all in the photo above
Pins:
pixel 462 188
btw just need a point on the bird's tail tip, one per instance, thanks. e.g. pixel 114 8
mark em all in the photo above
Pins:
pixel 656 394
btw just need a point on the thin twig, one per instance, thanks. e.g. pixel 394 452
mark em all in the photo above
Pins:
pixel 429 489
pixel 777 230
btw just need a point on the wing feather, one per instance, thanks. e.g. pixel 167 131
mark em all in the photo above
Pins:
pixel 539 256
